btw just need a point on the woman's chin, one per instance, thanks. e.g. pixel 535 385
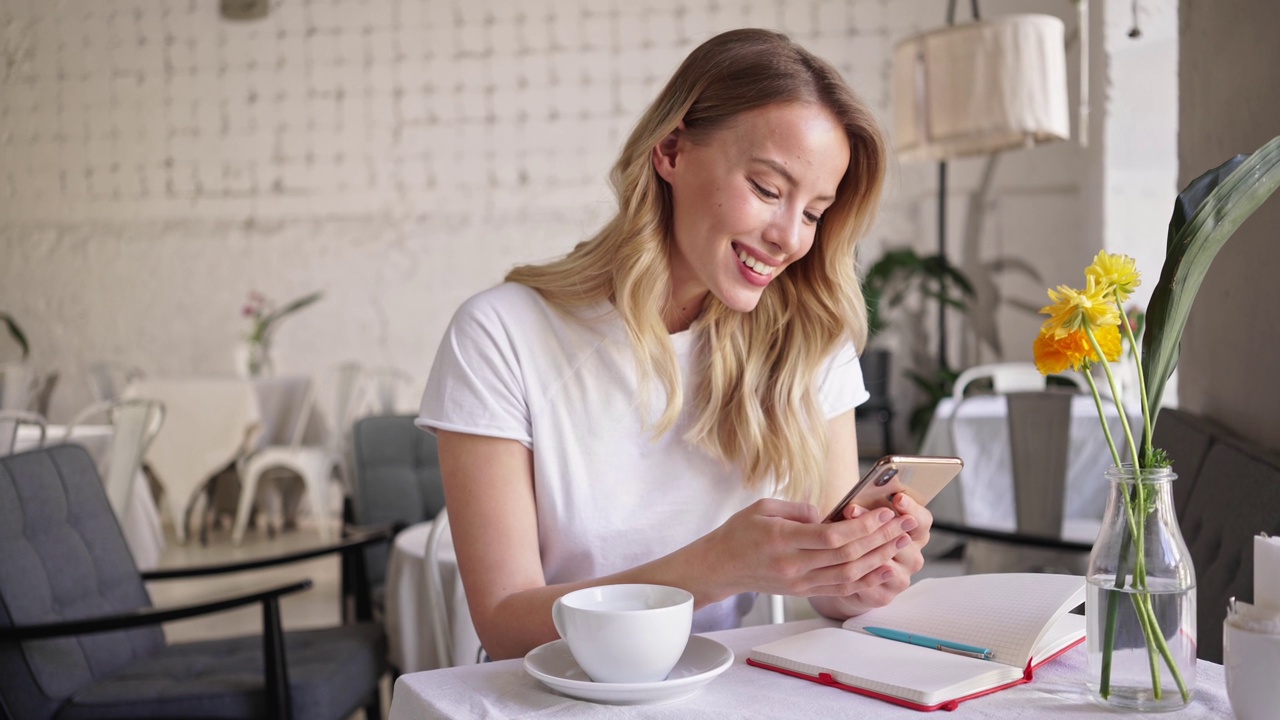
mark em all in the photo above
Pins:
pixel 743 301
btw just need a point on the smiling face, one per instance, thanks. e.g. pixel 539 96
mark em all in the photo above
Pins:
pixel 746 201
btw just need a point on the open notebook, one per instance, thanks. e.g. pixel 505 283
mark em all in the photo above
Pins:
pixel 1023 618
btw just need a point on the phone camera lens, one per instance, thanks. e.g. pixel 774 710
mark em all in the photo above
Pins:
pixel 886 476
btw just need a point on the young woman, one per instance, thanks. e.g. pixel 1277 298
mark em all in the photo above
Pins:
pixel 672 402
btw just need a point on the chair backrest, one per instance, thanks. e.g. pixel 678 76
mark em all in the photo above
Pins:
pixel 62 557
pixel 384 385
pixel 42 392
pixel 1039 437
pixel 396 476
pixel 11 420
pixel 108 380
pixel 1186 439
pixel 134 424
pixel 17 382
pixel 1235 496
pixel 1004 377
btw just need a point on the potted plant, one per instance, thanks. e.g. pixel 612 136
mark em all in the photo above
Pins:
pixel 254 356
pixel 898 276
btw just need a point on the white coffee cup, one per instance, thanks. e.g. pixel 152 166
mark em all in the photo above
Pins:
pixel 625 633
pixel 1251 661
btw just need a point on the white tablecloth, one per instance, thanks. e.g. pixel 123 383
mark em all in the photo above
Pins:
pixel 211 422
pixel 504 689
pixel 981 439
pixel 141 523
pixel 410 637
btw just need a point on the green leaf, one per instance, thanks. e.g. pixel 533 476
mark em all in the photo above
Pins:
pixel 1216 203
pixel 292 307
pixel 16 333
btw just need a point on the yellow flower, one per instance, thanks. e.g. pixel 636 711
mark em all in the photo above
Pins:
pixel 1073 309
pixel 1071 351
pixel 1115 271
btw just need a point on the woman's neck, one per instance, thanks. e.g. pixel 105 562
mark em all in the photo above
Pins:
pixel 680 313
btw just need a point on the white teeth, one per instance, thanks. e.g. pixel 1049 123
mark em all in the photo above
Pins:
pixel 757 266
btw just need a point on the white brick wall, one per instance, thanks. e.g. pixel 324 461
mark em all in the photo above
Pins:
pixel 157 162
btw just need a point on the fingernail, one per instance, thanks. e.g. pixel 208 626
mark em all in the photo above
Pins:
pixel 884 516
pixel 858 511
pixel 903 541
pixel 902 500
pixel 885 575
pixel 909 523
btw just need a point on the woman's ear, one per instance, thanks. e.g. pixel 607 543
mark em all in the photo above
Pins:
pixel 666 152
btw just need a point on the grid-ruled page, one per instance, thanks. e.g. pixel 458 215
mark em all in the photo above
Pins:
pixel 1007 613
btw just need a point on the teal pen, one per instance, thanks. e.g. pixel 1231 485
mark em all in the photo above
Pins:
pixel 956 648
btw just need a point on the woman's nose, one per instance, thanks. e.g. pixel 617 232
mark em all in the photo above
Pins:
pixel 786 230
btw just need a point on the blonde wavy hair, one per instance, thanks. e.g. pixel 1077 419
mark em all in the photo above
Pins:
pixel 757 372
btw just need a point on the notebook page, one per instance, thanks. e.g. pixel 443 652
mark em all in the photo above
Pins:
pixel 892 668
pixel 1007 613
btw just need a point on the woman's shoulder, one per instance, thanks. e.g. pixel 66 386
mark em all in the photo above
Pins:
pixel 516 306
pixel 505 304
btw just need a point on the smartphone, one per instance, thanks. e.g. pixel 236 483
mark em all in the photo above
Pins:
pixel 921 477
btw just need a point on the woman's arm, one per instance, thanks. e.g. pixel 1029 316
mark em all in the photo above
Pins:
pixel 771 546
pixel 883 583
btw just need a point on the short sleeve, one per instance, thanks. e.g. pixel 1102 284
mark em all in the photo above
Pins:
pixel 476 385
pixel 841 387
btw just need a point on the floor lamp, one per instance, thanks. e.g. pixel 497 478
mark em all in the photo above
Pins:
pixel 977 88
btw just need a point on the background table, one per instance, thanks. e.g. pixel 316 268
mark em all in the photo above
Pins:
pixel 983 493
pixel 504 689
pixel 141 522
pixel 410 636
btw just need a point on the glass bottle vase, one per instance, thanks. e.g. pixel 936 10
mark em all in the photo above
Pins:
pixel 1141 604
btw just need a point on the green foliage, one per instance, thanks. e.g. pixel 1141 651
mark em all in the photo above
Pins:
pixel 1206 214
pixel 15 332
pixel 264 322
pixel 898 273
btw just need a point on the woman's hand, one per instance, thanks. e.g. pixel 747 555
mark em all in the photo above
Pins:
pixel 896 573
pixel 780 547
pixel 884 582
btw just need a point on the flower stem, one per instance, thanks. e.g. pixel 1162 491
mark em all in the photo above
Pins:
pixel 1142 381
pixel 1115 394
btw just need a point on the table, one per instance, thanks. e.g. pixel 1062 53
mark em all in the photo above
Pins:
pixel 979 435
pixel 141 522
pixel 504 689
pixel 410 636
pixel 211 423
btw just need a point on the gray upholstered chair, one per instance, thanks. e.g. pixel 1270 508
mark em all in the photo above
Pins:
pixel 79 637
pixel 397 479
pixel 1226 493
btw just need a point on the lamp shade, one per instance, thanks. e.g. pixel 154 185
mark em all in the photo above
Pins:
pixel 980 87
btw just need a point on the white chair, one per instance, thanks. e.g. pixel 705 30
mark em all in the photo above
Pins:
pixel 11 420
pixel 315 464
pixel 441 627
pixel 339 403
pixel 107 381
pixel 134 425
pixel 18 382
pixel 383 385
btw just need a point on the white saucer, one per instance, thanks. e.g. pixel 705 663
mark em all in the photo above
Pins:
pixel 703 659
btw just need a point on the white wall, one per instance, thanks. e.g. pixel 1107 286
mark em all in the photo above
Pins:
pixel 157 163
pixel 1229 105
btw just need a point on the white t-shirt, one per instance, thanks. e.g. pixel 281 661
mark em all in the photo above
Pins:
pixel 609 497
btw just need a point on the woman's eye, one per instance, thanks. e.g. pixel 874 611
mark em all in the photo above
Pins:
pixel 766 193
pixel 813 218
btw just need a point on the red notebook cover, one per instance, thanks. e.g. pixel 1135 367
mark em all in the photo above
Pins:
pixel 826 679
